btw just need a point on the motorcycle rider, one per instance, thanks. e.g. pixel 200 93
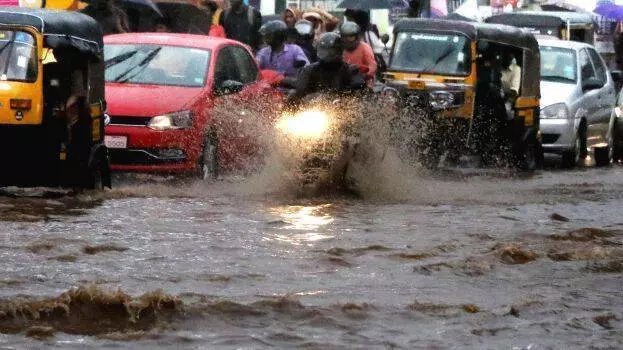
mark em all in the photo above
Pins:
pixel 287 59
pixel 358 52
pixel 330 74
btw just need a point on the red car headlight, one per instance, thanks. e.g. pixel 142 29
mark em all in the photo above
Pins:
pixel 172 121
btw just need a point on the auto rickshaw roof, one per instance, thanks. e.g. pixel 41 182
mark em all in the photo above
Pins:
pixel 60 29
pixel 502 34
pixel 542 19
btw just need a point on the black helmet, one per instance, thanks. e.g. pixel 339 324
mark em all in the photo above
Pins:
pixel 274 32
pixel 305 28
pixel 349 29
pixel 330 48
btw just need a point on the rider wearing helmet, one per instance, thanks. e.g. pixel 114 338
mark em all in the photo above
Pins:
pixel 330 74
pixel 305 39
pixel 357 52
pixel 278 55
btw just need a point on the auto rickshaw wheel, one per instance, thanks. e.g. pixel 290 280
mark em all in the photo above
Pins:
pixel 530 159
pixel 209 160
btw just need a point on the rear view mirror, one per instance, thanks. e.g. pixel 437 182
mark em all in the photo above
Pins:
pixel 385 39
pixel 592 84
pixel 229 87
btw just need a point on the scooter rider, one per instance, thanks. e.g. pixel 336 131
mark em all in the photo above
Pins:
pixel 287 59
pixel 358 52
pixel 330 74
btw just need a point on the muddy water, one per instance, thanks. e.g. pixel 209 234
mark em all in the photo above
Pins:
pixel 438 262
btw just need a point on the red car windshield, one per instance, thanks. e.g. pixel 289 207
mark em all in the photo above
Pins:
pixel 156 65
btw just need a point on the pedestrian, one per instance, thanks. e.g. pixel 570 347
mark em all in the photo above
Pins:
pixel 162 25
pixel 305 39
pixel 277 55
pixel 357 52
pixel 210 7
pixel 322 20
pixel 111 18
pixel 242 23
pixel 290 16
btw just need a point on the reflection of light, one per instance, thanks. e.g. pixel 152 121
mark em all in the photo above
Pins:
pixel 308 124
pixel 301 218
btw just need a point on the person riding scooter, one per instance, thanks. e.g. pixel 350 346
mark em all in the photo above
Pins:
pixel 330 74
pixel 358 52
pixel 287 59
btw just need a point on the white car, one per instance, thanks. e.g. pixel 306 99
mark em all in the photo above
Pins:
pixel 577 102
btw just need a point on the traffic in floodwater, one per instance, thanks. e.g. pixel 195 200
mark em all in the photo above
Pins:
pixel 301 183
pixel 473 261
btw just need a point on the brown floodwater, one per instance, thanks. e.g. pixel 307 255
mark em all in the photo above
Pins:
pixel 420 261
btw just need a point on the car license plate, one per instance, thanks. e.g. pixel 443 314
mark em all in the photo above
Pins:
pixel 116 141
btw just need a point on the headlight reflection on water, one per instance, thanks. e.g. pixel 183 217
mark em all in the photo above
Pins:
pixel 303 222
pixel 308 124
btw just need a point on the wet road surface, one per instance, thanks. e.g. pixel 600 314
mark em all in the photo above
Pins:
pixel 475 262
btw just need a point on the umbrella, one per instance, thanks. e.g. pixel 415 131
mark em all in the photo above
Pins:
pixel 138 4
pixel 365 4
pixel 610 11
pixel 454 16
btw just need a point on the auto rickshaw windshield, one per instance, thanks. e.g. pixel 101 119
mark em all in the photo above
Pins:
pixel 444 54
pixel 18 56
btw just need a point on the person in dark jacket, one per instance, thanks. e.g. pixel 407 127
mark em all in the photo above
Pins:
pixel 330 74
pixel 242 23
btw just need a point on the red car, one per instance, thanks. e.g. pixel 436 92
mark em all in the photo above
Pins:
pixel 161 91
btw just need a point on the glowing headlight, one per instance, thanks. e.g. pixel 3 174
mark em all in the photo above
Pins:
pixel 555 111
pixel 172 121
pixel 441 99
pixel 309 124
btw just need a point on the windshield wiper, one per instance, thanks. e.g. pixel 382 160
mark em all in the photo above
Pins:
pixel 119 58
pixel 447 53
pixel 557 78
pixel 8 60
pixel 124 77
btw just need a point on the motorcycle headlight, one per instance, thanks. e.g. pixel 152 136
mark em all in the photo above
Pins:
pixel 555 111
pixel 308 124
pixel 172 121
pixel 441 99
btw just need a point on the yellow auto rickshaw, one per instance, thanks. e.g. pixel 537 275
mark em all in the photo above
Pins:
pixel 446 77
pixel 51 100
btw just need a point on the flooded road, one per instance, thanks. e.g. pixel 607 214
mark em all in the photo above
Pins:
pixel 480 262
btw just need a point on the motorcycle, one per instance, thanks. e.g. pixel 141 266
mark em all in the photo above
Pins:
pixel 318 141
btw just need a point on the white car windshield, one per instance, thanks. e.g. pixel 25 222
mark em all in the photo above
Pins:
pixel 558 64
pixel 156 65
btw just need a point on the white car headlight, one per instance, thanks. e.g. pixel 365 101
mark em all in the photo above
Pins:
pixel 172 121
pixel 555 111
pixel 441 99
